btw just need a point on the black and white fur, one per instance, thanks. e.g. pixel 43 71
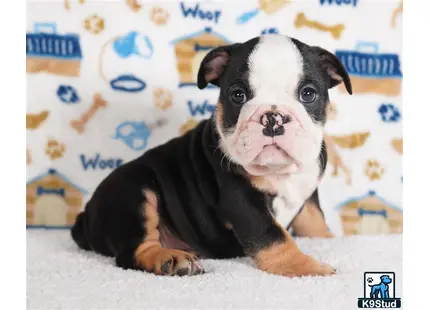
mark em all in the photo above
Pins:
pixel 208 182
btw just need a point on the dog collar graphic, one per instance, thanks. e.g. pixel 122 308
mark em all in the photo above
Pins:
pixel 128 83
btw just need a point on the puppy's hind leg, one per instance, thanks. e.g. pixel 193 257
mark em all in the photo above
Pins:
pixel 150 256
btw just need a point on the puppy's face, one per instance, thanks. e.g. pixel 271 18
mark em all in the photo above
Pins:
pixel 273 98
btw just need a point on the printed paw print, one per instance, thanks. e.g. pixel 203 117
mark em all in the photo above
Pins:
pixel 163 98
pixel 373 170
pixel 270 31
pixel 54 149
pixel 389 113
pixel 187 126
pixel 134 5
pixel 159 16
pixel 94 24
pixel 369 280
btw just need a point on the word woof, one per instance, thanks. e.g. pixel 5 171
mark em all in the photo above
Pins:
pixel 199 13
pixel 97 162
pixel 200 108
pixel 339 2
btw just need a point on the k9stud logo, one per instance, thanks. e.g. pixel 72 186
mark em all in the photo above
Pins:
pixel 379 291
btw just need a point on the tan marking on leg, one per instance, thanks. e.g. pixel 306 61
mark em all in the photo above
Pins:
pixel 310 222
pixel 151 217
pixel 286 259
pixel 151 256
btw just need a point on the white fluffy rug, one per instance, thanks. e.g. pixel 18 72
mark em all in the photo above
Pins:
pixel 59 276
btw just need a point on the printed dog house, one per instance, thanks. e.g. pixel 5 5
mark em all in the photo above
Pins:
pixel 53 201
pixel 53 53
pixel 370 214
pixel 372 72
pixel 190 51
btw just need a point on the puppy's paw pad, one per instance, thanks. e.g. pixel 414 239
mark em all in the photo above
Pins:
pixel 166 267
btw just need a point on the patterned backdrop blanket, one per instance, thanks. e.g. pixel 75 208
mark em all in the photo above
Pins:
pixel 108 80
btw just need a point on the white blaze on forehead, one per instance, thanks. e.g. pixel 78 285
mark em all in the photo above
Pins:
pixel 275 67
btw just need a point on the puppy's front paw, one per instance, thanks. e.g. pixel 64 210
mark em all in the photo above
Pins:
pixel 312 267
pixel 289 261
pixel 177 263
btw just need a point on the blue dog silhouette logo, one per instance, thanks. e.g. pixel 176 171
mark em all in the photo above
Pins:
pixel 379 291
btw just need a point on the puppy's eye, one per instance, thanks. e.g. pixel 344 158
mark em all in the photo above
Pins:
pixel 238 96
pixel 308 94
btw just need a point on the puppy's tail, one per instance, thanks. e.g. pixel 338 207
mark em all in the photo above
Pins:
pixel 78 232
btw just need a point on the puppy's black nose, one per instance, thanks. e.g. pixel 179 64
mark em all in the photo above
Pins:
pixel 273 123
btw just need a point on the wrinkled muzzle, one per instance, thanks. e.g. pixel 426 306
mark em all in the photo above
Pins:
pixel 271 139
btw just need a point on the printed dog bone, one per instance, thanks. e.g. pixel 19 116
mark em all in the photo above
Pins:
pixel 396 12
pixel 35 120
pixel 272 6
pixel 133 5
pixel 303 21
pixel 79 125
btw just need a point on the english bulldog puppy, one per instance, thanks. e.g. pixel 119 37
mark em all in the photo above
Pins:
pixel 237 183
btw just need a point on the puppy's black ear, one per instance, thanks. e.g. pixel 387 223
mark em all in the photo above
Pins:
pixel 212 66
pixel 334 67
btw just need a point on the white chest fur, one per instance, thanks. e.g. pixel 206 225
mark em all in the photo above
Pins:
pixel 293 192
